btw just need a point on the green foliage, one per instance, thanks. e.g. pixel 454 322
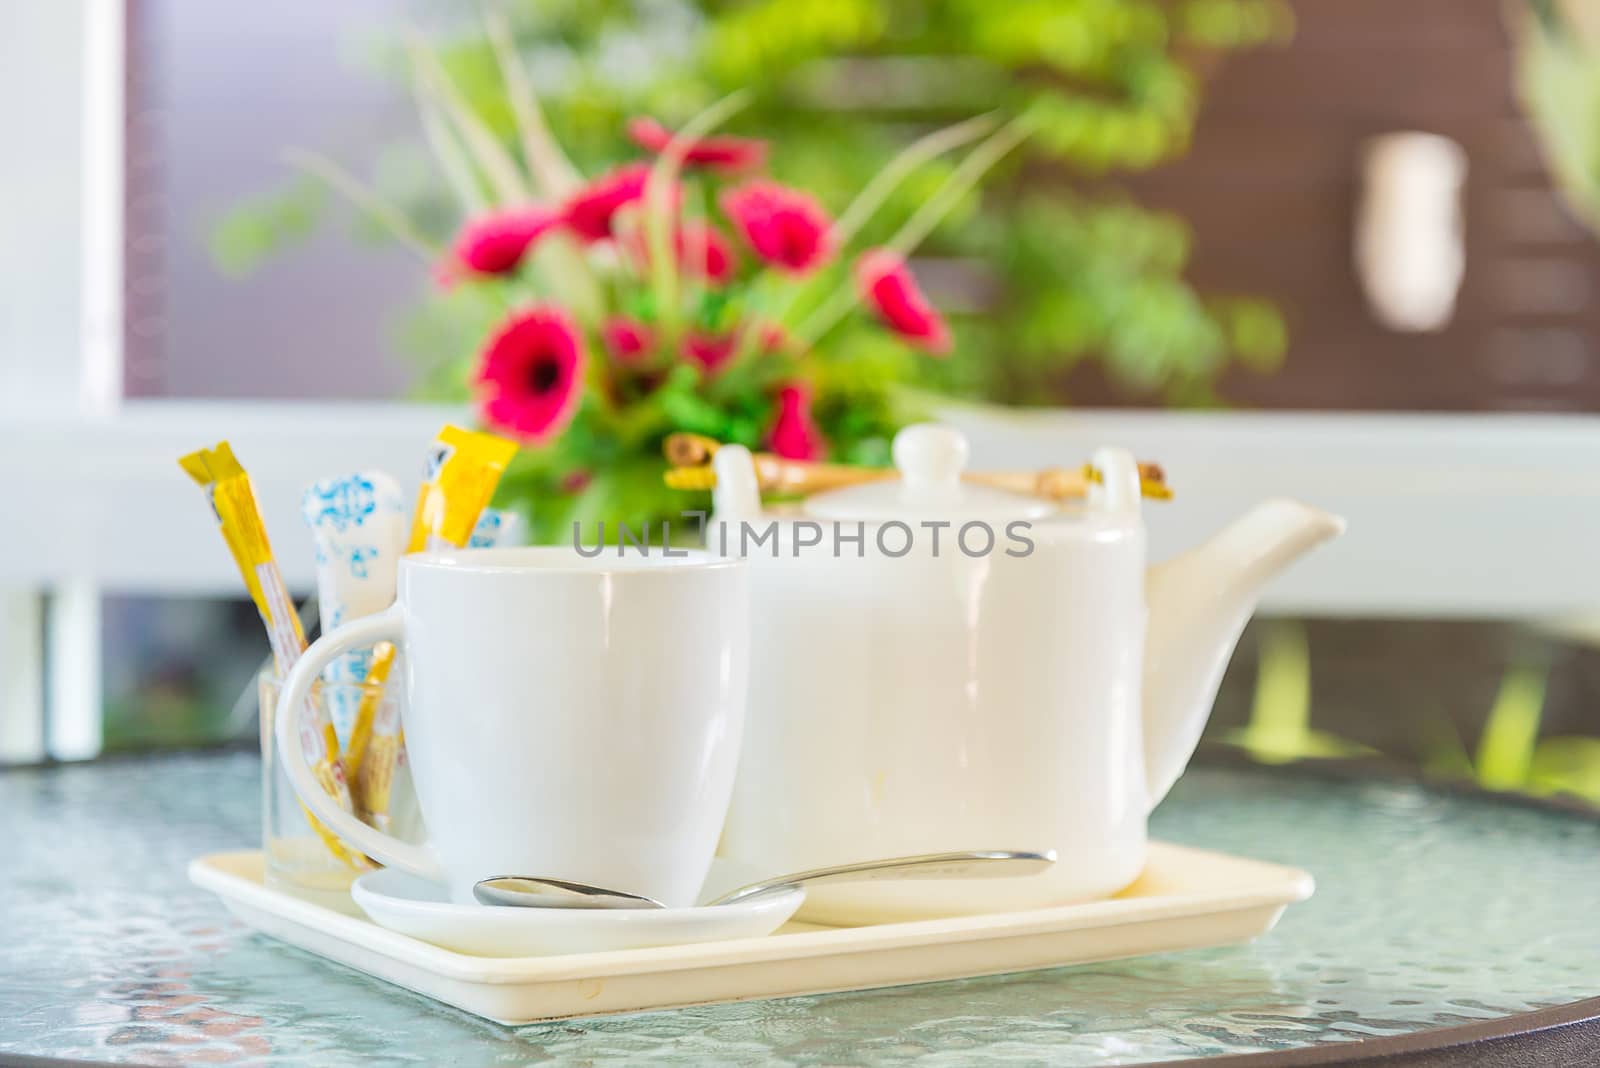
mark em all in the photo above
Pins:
pixel 1510 756
pixel 256 230
pixel 1558 78
pixel 1279 730
pixel 1505 751
pixel 1053 271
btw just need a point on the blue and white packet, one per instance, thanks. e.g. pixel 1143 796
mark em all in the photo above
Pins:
pixel 359 527
pixel 497 528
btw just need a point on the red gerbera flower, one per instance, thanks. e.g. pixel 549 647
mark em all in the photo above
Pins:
pixel 889 289
pixel 531 374
pixel 704 250
pixel 589 211
pixel 726 155
pixel 794 434
pixel 627 339
pixel 496 243
pixel 710 351
pixel 785 227
pixel 701 249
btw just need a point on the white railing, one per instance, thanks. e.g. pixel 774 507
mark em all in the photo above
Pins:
pixel 1450 515
pixel 1466 516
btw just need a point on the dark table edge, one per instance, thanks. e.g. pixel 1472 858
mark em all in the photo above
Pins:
pixel 1545 1038
pixel 1560 1036
pixel 1564 1035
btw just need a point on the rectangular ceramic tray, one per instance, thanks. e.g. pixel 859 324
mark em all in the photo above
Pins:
pixel 1186 899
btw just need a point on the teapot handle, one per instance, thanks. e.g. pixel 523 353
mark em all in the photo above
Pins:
pixel 1116 494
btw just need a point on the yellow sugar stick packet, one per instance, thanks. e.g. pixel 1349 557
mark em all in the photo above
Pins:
pixel 463 468
pixel 233 501
pixel 375 734
pixel 375 781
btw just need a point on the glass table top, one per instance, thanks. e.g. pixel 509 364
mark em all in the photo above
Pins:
pixel 1432 909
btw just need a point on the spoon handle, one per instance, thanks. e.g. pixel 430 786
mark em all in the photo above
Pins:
pixel 984 864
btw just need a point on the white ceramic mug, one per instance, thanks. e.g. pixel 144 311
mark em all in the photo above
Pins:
pixel 566 717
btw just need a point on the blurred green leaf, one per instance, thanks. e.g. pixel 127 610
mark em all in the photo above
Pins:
pixel 1280 731
pixel 256 230
pixel 1255 331
pixel 1505 751
pixel 1567 765
pixel 1558 79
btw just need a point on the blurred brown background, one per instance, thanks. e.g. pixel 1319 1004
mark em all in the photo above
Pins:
pixel 1271 188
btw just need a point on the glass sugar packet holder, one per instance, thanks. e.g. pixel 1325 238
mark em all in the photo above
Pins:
pixel 300 853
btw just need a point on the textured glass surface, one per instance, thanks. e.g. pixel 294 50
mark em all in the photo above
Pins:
pixel 1431 909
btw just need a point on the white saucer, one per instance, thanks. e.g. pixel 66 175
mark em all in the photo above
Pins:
pixel 424 911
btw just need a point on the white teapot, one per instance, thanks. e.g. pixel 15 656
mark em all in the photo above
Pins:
pixel 938 665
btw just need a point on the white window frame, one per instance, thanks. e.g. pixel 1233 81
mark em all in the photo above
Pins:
pixel 1489 516
pixel 62 110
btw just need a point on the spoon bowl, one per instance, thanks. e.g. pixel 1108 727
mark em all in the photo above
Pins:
pixel 540 893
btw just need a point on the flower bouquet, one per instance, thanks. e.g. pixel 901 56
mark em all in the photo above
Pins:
pixel 685 290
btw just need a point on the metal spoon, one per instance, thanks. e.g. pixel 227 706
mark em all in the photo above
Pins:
pixel 531 892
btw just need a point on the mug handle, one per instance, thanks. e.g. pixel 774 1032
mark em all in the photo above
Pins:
pixel 388 625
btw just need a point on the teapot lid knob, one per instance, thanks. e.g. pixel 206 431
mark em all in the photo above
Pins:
pixel 930 459
pixel 930 455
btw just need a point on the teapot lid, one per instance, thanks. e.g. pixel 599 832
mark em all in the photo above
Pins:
pixel 930 459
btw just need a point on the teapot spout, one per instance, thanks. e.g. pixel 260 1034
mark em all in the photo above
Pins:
pixel 1199 602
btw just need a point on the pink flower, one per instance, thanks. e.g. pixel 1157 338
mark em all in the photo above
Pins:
pixel 889 289
pixel 726 155
pixel 531 375
pixel 710 351
pixel 700 248
pixel 785 227
pixel 795 434
pixel 589 211
pixel 627 340
pixel 772 339
pixel 496 243
pixel 703 249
